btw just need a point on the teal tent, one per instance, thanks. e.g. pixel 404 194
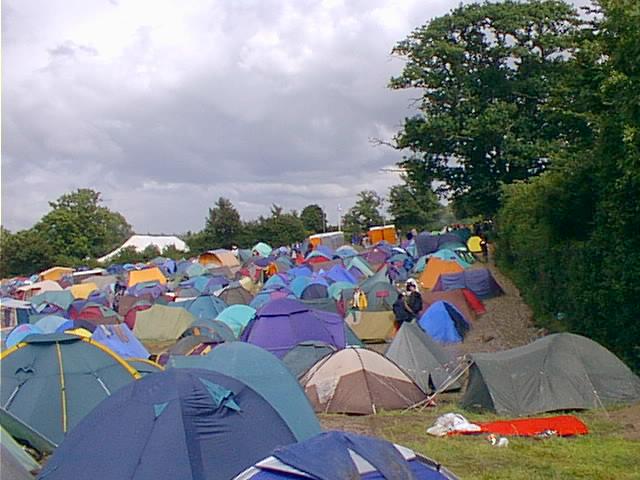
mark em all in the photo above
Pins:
pixel 144 366
pixel 266 375
pixel 59 298
pixel 262 249
pixel 236 317
pixel 51 382
pixel 305 355
pixel 335 289
pixel 450 255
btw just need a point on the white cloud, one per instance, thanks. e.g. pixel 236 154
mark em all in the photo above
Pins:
pixel 164 106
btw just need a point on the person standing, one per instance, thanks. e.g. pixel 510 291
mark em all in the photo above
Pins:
pixel 408 305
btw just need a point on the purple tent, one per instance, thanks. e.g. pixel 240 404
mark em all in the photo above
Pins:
pixel 376 255
pixel 282 324
pixel 340 274
pixel 427 243
pixel 302 271
pixel 479 280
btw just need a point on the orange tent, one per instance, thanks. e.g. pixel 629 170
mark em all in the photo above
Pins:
pixel 147 275
pixel 436 267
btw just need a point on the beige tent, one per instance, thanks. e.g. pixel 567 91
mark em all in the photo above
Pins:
pixel 359 381
pixel 161 323
pixel 219 258
pixel 371 326
pixel 29 291
pixel 101 280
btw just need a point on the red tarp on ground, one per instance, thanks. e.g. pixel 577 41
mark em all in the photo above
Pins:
pixel 474 302
pixel 563 425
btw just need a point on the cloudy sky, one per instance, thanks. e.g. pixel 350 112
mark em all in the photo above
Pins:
pixel 164 106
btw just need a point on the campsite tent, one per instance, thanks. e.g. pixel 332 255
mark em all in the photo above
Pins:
pixel 219 258
pixel 342 455
pixel 59 298
pixel 371 326
pixel 144 366
pixel 304 355
pixel 261 249
pixel 55 273
pixel 203 307
pixel 458 299
pixel 83 290
pixel 176 424
pixel 13 312
pixel 215 329
pixel 237 317
pixel 264 374
pixel 473 244
pixel 235 295
pixel 479 280
pixel 21 332
pixel 448 254
pixel 50 323
pixel 421 358
pixel 52 381
pixel 25 292
pixel 152 274
pixel 444 323
pixel 187 346
pixel 558 372
pixel 359 381
pixel 161 323
pixel 434 268
pixel 427 243
pixel 120 340
pixel 15 462
pixel 282 324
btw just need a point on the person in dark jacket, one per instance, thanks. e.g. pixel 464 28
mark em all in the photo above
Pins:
pixel 408 305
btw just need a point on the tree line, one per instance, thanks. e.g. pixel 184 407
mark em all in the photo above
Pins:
pixel 530 114
pixel 79 229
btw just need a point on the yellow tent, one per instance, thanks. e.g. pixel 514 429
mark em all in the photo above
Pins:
pixel 82 290
pixel 147 275
pixel 434 268
pixel 473 244
pixel 55 273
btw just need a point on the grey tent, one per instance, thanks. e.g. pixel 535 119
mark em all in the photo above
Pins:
pixel 305 355
pixel 558 372
pixel 421 358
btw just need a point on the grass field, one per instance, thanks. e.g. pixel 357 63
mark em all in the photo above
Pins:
pixel 610 451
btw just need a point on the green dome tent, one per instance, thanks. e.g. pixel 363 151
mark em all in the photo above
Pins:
pixel 51 382
pixel 558 372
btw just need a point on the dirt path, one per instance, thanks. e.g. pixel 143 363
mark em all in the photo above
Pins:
pixel 508 322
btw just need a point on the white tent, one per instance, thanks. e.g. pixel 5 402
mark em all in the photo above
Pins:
pixel 140 242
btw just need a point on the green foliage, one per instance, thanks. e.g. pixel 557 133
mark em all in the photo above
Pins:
pixel 79 227
pixel 222 226
pixel 411 208
pixel 24 253
pixel 570 236
pixel 313 218
pixel 486 73
pixel 280 228
pixel 364 214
